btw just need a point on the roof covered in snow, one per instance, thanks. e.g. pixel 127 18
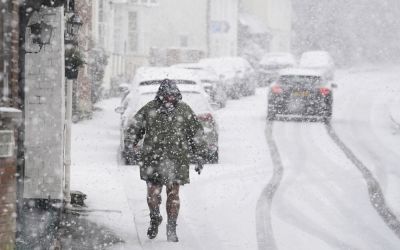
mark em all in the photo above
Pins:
pixel 160 73
pixel 300 72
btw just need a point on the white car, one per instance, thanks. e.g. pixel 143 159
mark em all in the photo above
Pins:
pixel 211 83
pixel 271 64
pixel 237 74
pixel 144 89
pixel 318 60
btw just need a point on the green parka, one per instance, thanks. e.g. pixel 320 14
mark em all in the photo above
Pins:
pixel 170 139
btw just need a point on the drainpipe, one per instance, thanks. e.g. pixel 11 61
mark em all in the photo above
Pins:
pixel 67 156
pixel 208 17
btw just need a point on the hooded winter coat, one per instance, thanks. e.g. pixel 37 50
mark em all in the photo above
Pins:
pixel 171 136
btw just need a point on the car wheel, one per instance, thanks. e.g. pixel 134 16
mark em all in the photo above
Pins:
pixel 129 158
pixel 235 96
pixel 327 117
pixel 127 161
pixel 214 158
pixel 125 158
pixel 271 114
pixel 270 117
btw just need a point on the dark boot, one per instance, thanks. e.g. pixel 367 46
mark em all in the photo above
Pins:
pixel 155 221
pixel 171 231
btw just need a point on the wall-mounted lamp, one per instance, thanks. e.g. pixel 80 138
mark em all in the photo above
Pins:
pixel 41 34
pixel 74 24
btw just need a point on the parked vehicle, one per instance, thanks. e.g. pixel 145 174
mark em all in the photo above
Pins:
pixel 211 83
pixel 236 73
pixel 301 92
pixel 271 64
pixel 144 89
pixel 318 60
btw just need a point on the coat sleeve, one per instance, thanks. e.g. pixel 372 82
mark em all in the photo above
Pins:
pixel 196 137
pixel 136 127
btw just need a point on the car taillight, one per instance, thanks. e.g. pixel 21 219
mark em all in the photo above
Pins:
pixel 276 89
pixel 205 117
pixel 324 91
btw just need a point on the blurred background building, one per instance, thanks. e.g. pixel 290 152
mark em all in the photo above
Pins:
pixel 152 32
pixel 276 17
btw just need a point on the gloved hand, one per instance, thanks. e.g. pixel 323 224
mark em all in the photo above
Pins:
pixel 198 168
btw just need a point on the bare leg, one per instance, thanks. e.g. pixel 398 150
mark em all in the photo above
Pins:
pixel 154 201
pixel 173 205
pixel 154 198
pixel 173 202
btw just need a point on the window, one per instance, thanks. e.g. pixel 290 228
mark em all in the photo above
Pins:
pixel 299 80
pixel 158 82
pixel 1 41
pixel 6 143
pixel 101 11
pixel 1 55
pixel 133 31
pixel 184 41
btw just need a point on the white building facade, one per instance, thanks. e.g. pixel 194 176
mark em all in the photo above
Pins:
pixel 147 30
pixel 102 33
pixel 223 27
pixel 277 16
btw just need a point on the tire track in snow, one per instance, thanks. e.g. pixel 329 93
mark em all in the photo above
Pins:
pixel 376 196
pixel 395 123
pixel 265 235
pixel 289 212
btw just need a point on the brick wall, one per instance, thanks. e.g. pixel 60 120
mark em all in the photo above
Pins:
pixel 7 203
pixel 83 85
pixel 8 183
pixel 9 21
pixel 1 51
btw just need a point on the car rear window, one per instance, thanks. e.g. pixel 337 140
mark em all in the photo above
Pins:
pixel 299 80
pixel 158 82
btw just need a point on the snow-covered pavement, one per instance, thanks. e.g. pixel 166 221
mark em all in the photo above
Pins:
pixel 322 199
pixel 218 207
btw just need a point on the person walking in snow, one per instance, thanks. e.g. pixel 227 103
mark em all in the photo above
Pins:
pixel 172 136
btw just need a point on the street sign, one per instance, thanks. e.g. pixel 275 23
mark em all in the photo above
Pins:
pixel 219 27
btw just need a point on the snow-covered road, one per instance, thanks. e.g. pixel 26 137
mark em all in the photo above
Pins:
pixel 363 121
pixel 321 200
